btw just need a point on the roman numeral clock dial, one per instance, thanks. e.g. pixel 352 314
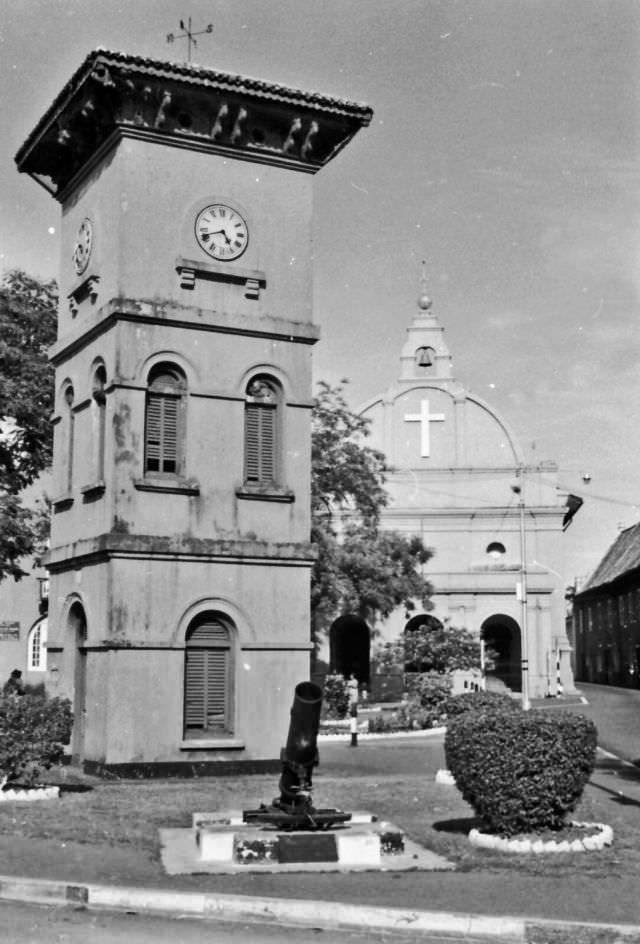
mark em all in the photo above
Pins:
pixel 221 232
pixel 83 246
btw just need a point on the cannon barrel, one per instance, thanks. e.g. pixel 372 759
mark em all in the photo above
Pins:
pixel 300 755
pixel 293 809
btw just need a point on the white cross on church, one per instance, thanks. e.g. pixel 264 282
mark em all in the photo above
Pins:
pixel 424 418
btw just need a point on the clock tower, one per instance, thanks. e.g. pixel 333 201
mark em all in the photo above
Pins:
pixel 180 557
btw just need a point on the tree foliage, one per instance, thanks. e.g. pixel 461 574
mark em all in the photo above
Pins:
pixel 27 329
pixel 440 649
pixel 345 472
pixel 359 568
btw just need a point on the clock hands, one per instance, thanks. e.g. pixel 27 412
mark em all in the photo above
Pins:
pixel 217 232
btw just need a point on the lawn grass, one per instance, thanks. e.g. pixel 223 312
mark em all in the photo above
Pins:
pixel 397 782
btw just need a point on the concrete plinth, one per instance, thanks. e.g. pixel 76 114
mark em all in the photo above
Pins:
pixel 223 843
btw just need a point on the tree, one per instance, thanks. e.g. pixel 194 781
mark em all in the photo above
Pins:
pixel 27 330
pixel 440 649
pixel 359 568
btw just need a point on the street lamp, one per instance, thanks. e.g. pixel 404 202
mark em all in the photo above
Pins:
pixel 518 490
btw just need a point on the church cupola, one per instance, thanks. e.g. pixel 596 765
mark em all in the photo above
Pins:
pixel 425 353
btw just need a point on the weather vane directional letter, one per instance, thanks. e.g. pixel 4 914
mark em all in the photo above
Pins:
pixel 189 35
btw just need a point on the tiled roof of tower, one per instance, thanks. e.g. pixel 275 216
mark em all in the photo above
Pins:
pixel 622 557
pixel 198 77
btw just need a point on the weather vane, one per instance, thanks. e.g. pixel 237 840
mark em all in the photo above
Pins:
pixel 190 37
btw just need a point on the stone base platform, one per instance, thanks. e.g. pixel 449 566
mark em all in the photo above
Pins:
pixel 222 843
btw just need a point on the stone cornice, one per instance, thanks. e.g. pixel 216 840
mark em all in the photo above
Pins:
pixel 170 102
pixel 117 544
pixel 179 316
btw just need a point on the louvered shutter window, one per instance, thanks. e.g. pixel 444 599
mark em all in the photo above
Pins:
pixel 261 423
pixel 207 679
pixel 162 429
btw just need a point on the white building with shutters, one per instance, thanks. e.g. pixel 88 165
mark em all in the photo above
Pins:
pixel 494 523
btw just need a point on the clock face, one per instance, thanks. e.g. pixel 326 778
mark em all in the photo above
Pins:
pixel 221 232
pixel 83 246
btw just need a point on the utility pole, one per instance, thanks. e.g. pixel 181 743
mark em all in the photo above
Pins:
pixel 519 490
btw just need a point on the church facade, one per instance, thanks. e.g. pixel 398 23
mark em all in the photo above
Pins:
pixel 180 558
pixel 494 523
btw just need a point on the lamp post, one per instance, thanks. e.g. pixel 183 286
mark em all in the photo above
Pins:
pixel 518 489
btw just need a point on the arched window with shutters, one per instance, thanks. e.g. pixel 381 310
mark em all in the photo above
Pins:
pixel 208 678
pixel 164 421
pixel 262 418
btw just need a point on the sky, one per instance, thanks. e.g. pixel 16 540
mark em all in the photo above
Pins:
pixel 503 151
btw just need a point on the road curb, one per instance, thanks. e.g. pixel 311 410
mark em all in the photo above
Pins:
pixel 288 911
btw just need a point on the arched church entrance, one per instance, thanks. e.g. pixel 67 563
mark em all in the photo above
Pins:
pixel 501 634
pixel 421 621
pixel 350 648
pixel 77 636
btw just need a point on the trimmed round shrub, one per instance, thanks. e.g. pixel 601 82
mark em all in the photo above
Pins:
pixel 479 701
pixel 521 771
pixel 33 732
pixel 335 697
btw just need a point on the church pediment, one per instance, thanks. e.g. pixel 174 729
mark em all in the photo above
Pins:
pixel 431 427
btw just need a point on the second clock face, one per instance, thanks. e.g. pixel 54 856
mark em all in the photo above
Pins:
pixel 221 232
pixel 83 246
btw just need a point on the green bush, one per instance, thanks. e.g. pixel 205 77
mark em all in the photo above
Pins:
pixel 521 771
pixel 385 722
pixel 430 690
pixel 335 697
pixel 408 717
pixel 479 701
pixel 33 732
pixel 415 717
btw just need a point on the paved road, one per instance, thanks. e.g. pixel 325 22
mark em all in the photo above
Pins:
pixel 39 924
pixel 616 713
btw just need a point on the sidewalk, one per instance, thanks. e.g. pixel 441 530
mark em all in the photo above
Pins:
pixel 477 903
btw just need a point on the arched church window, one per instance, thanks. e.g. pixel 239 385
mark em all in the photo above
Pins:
pixel 164 421
pixel 100 400
pixel 262 432
pixel 208 678
pixel 37 647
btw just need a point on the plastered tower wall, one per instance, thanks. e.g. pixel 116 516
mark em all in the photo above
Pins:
pixel 155 284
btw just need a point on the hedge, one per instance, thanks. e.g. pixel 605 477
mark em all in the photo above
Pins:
pixel 521 771
pixel 479 701
pixel 33 732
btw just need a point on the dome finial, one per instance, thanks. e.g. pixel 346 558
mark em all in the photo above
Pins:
pixel 424 302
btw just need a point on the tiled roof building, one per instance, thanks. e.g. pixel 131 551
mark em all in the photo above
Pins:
pixel 606 616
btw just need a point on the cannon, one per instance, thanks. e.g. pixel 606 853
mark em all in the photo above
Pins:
pixel 294 809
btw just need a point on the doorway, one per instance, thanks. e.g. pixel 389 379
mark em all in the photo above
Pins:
pixel 501 634
pixel 350 642
pixel 77 635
